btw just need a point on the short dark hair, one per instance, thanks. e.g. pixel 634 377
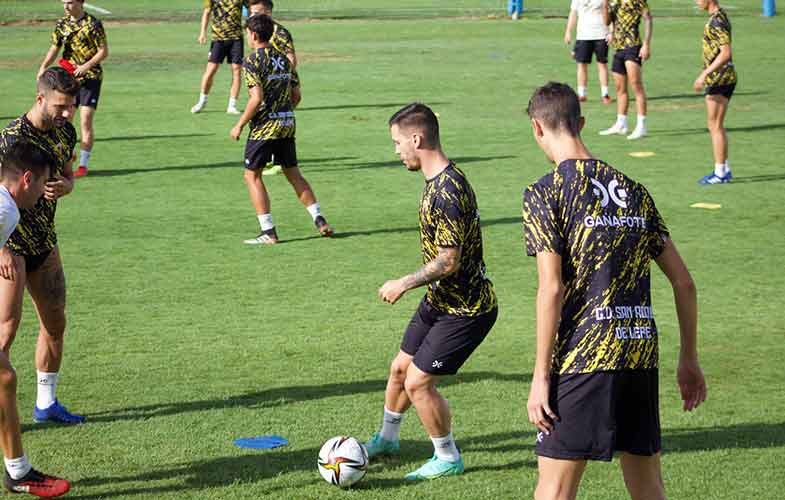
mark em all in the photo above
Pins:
pixel 268 4
pixel 57 78
pixel 421 117
pixel 23 155
pixel 262 25
pixel 556 106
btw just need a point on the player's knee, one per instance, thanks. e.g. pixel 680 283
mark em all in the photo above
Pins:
pixel 553 490
pixel 7 375
pixel 416 384
pixel 398 372
pixel 252 176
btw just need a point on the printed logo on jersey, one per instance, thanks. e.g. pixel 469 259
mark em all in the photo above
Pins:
pixel 613 192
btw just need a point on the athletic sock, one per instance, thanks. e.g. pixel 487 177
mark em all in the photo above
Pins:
pixel 445 448
pixel 581 91
pixel 315 210
pixel 720 169
pixel 232 102
pixel 641 122
pixel 202 98
pixel 605 91
pixel 621 120
pixel 47 385
pixel 265 221
pixel 391 425
pixel 17 468
pixel 84 158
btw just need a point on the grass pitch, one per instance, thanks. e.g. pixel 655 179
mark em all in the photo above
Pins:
pixel 181 339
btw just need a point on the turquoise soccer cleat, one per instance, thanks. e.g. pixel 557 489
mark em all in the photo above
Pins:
pixel 379 446
pixel 436 468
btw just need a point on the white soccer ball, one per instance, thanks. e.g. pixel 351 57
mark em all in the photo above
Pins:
pixel 343 461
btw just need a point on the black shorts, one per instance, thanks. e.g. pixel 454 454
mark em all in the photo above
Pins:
pixel 623 55
pixel 260 153
pixel 226 50
pixel 34 262
pixel 723 90
pixel 440 342
pixel 89 93
pixel 585 48
pixel 603 412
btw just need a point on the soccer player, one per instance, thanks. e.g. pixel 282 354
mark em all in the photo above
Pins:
pixel 459 307
pixel 83 40
pixel 227 44
pixel 719 79
pixel 594 232
pixel 625 16
pixel 24 170
pixel 282 41
pixel 591 38
pixel 268 76
pixel 31 257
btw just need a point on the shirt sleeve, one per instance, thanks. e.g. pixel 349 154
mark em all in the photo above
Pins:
pixel 56 37
pixel 206 4
pixel 253 78
pixel 644 6
pixel 656 226
pixel 720 32
pixel 99 34
pixel 574 5
pixel 542 232
pixel 448 221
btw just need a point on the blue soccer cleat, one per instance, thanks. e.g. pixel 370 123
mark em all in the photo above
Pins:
pixel 377 445
pixel 436 468
pixel 713 178
pixel 56 413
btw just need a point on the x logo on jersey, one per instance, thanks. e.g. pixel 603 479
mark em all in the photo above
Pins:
pixel 278 64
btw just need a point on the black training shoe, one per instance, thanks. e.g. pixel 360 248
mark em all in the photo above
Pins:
pixel 324 228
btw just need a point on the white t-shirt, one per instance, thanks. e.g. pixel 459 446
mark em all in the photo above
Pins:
pixel 9 215
pixel 591 25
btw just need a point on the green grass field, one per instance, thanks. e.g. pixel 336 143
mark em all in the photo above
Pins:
pixel 181 339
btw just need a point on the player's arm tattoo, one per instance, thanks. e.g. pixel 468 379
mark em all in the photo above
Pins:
pixel 447 261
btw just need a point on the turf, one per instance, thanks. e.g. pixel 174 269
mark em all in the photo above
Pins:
pixel 181 339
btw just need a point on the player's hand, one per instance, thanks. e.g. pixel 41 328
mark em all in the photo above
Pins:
pixel 7 264
pixel 236 132
pixel 81 69
pixel 392 290
pixel 567 38
pixel 609 38
pixel 691 383
pixel 202 39
pixel 540 413
pixel 699 82
pixel 57 187
pixel 645 52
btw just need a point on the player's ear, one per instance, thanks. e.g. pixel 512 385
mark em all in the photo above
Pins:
pixel 537 128
pixel 416 141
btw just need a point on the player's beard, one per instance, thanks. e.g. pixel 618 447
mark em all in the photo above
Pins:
pixel 52 120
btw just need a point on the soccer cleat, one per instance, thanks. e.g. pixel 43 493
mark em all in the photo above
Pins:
pixel 269 237
pixel 324 228
pixel 606 99
pixel 638 133
pixel 38 484
pixel 198 107
pixel 713 178
pixel 377 446
pixel 56 413
pixel 583 98
pixel 436 468
pixel 81 171
pixel 232 110
pixel 272 170
pixel 616 129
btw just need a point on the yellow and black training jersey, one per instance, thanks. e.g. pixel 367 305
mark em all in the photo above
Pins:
pixel 607 230
pixel 272 71
pixel 35 233
pixel 282 41
pixel 449 218
pixel 227 18
pixel 626 18
pixel 716 33
pixel 80 41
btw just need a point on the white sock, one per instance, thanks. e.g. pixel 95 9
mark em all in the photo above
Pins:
pixel 641 122
pixel 17 467
pixel 621 120
pixel 315 210
pixel 604 90
pixel 47 385
pixel 727 164
pixel 232 102
pixel 720 169
pixel 265 221
pixel 581 91
pixel 445 448
pixel 391 425
pixel 84 157
pixel 202 98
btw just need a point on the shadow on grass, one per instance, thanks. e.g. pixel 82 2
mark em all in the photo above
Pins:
pixel 703 130
pixel 393 230
pixel 695 95
pixel 282 395
pixel 146 137
pixel 733 437
pixel 758 178
pixel 259 466
pixel 460 160
pixel 362 106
